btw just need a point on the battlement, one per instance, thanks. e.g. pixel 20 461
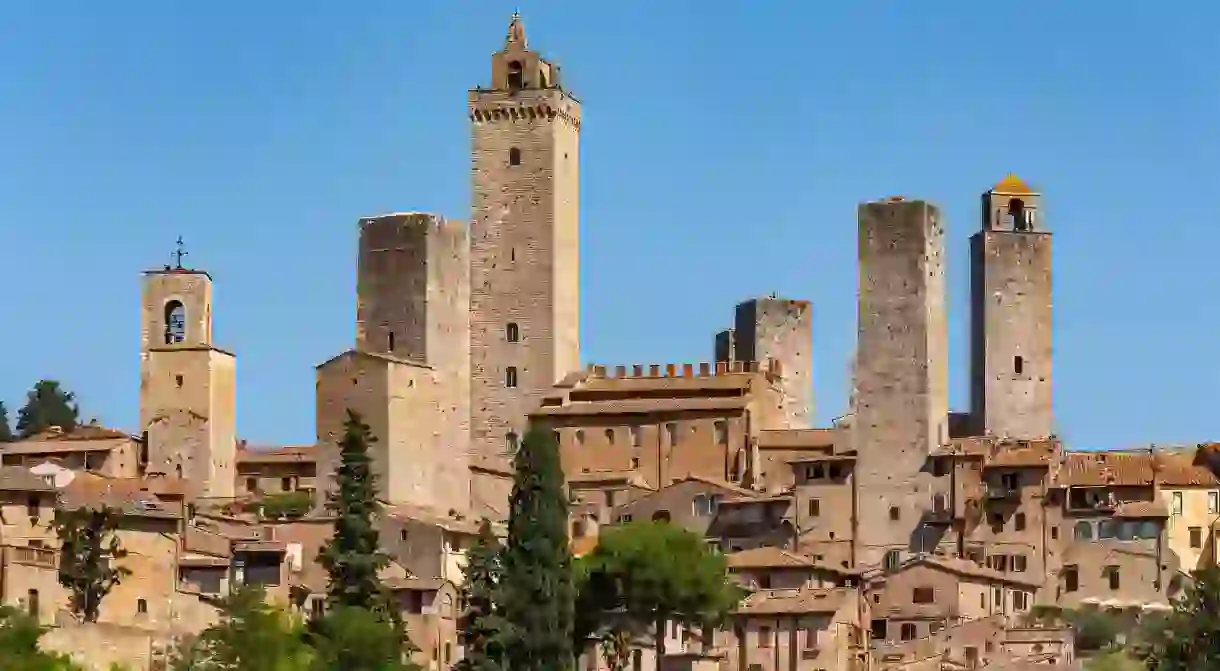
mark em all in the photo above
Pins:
pixel 685 370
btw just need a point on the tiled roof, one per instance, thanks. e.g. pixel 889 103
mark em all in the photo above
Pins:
pixel 795 438
pixel 275 455
pixel 966 568
pixel 1135 468
pixel 1012 186
pixel 1003 453
pixel 129 495
pixel 82 432
pixel 1141 509
pixel 19 479
pixel 795 601
pixel 58 446
pixel 767 557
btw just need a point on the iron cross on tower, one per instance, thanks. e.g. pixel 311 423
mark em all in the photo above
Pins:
pixel 179 253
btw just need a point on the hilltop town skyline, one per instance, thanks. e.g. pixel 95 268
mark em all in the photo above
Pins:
pixel 670 220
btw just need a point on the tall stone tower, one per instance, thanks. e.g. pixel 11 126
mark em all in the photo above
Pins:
pixel 525 242
pixel 1010 315
pixel 413 309
pixel 781 330
pixel 188 386
pixel 901 373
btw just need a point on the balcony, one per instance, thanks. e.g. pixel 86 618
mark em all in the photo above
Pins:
pixel 1003 492
pixel 31 556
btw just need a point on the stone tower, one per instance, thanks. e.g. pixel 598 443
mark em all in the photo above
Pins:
pixel 525 242
pixel 781 330
pixel 901 407
pixel 413 305
pixel 188 386
pixel 1010 315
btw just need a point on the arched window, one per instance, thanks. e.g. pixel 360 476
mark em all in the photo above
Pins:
pixel 1084 531
pixel 610 436
pixel 175 322
pixel 515 78
pixel 510 376
pixel 660 516
pixel 514 156
pixel 511 442
pixel 1016 210
pixel 512 332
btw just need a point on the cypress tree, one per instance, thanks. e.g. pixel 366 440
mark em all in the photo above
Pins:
pixel 6 433
pixel 480 628
pixel 536 590
pixel 352 557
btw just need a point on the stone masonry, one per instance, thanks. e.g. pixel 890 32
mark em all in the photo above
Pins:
pixel 1010 263
pixel 780 330
pixel 525 243
pixel 188 387
pixel 902 373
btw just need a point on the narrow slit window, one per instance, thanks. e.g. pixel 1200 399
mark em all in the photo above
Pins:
pixel 1018 364
pixel 514 156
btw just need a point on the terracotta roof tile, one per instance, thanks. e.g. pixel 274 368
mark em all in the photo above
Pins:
pixel 269 455
pixel 795 601
pixel 129 495
pixel 968 569
pixel 1135 468
pixel 1141 509
pixel 19 479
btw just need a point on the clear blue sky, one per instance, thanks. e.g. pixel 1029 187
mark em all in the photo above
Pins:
pixel 726 146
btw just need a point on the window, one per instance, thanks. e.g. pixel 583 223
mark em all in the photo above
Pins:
pixel 510 442
pixel 178 381
pixel 1019 562
pixel 178 470
pixel 175 322
pixel 660 516
pixel 1177 504
pixel 1213 503
pixel 705 505
pixel 1071 578
pixel 516 78
pixel 1196 537
pixel 764 581
pixel 908 631
pixel 1107 529
pixel 892 559
pixel 895 513
pixel 389 342
pixel 722 432
pixel 512 332
pixel 815 507
pixel 251 485
pixel 31 506
pixel 142 606
pixel 510 376
pixel 1084 531
pixel 402 534
pixel 514 156
pixel 1010 481
pixel 610 436
pixel 877 629
pixel 671 433
pixel 285 484
pixel 1055 533
pixel 31 604
pixel 923 595
pixel 1018 365
pixel 580 436
pixel 938 503
pixel 764 637
pixel 940 467
pixel 811 638
pixel 1019 522
pixel 636 439
pixel 558 437
pixel 1113 577
pixel 635 462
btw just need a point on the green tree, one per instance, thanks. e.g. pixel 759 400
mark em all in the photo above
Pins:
pixel 47 405
pixel 352 557
pixel 536 585
pixel 481 626
pixel 6 432
pixel 251 635
pixel 349 638
pixel 19 637
pixel 644 575
pixel 89 555
pixel 1187 641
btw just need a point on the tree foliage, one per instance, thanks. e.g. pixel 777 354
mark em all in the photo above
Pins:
pixel 19 651
pixel 645 574
pixel 47 405
pixel 250 636
pixel 352 557
pixel 89 555
pixel 349 638
pixel 481 625
pixel 536 586
pixel 1188 638
pixel 6 432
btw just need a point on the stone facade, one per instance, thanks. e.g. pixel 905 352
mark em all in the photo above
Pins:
pixel 1010 270
pixel 188 387
pixel 901 406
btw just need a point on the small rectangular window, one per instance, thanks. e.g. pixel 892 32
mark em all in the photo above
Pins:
pixel 1213 503
pixel 510 377
pixel 1112 575
pixel 1176 503
pixel 1196 537
pixel 1071 578
pixel 815 507
pixel 764 637
pixel 1018 365
pixel 923 595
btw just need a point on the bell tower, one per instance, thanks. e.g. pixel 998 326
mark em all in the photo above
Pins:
pixel 188 388
pixel 1010 315
pixel 524 243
